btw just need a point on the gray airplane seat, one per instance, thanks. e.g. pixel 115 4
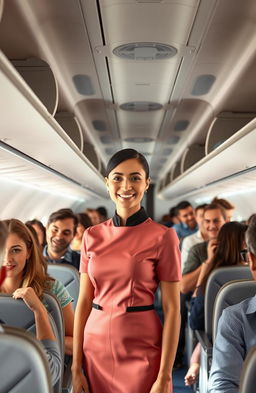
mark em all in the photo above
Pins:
pixel 24 367
pixel 15 313
pixel 232 293
pixel 247 381
pixel 69 277
pixel 217 279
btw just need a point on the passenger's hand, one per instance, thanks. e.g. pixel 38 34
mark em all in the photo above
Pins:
pixel 192 374
pixel 79 382
pixel 29 296
pixel 161 386
pixel 211 248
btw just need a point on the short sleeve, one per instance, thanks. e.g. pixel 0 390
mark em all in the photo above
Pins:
pixel 169 259
pixel 84 257
pixel 62 294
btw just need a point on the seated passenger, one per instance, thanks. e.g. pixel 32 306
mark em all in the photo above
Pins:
pixel 214 218
pixel 44 331
pixel 84 222
pixel 226 205
pixel 26 276
pixel 94 216
pixel 186 215
pixel 230 243
pixel 198 237
pixel 60 231
pixel 236 334
pixel 40 231
pixel 102 212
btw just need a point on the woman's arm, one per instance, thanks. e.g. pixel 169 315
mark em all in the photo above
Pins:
pixel 68 315
pixel 82 312
pixel 170 292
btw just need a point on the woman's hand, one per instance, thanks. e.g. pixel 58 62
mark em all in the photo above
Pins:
pixel 161 386
pixel 79 382
pixel 29 296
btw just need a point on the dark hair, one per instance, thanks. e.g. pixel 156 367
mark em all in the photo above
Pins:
pixel 62 214
pixel 3 237
pixel 173 212
pixel 102 211
pixel 127 154
pixel 230 242
pixel 251 219
pixel 84 220
pixel 40 225
pixel 183 205
pixel 215 206
pixel 223 203
pixel 250 236
pixel 199 207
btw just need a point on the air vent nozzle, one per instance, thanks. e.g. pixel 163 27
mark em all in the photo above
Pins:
pixel 145 51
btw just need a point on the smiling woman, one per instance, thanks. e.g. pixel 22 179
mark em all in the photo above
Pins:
pixel 122 262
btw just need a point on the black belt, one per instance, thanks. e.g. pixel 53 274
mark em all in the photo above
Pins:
pixel 129 309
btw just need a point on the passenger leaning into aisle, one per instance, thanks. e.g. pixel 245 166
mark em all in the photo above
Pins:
pixel 118 338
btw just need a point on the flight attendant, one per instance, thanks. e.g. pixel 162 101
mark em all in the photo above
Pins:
pixel 119 342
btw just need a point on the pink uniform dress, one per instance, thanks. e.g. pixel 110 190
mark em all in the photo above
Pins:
pixel 122 341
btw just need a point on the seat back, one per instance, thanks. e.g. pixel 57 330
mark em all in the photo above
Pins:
pixel 232 293
pixel 15 313
pixel 216 280
pixel 247 381
pixel 69 277
pixel 24 367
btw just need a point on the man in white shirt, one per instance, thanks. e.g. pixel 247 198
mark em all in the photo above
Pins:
pixel 198 237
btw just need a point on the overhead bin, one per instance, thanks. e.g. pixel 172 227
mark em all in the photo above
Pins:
pixel 40 78
pixel 40 136
pixel 72 127
pixel 223 127
pixel 191 156
pixel 234 156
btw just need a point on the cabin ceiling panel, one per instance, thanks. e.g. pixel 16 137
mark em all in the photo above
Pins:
pixel 142 124
pixel 125 21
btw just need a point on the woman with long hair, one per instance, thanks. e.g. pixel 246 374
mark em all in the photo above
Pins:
pixel 118 338
pixel 26 274
pixel 229 244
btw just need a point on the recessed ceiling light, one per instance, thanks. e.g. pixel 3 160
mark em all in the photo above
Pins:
pixel 139 139
pixel 181 125
pixel 173 139
pixel 203 85
pixel 166 152
pixel 145 51
pixel 141 106
pixel 99 125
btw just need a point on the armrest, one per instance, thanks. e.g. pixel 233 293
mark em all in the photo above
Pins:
pixel 204 341
pixel 67 377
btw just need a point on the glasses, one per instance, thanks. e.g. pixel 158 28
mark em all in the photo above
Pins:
pixel 244 255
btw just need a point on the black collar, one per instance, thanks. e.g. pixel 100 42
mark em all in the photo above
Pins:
pixel 137 218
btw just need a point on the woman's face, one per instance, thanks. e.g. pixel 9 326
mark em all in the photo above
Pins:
pixel 16 255
pixel 126 184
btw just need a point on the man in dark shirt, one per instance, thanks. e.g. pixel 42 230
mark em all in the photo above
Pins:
pixel 60 231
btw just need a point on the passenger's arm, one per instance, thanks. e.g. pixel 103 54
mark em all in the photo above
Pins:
pixel 170 293
pixel 44 331
pixel 82 312
pixel 228 355
pixel 68 315
pixel 43 327
pixel 189 280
